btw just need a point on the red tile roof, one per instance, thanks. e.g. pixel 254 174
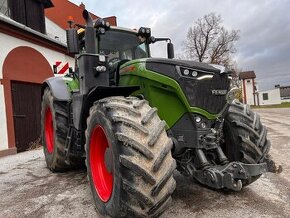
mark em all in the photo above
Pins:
pixel 247 75
pixel 63 9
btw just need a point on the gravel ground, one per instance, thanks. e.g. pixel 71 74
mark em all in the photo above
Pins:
pixel 29 189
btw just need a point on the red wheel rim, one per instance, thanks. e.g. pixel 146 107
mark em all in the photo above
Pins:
pixel 102 178
pixel 49 136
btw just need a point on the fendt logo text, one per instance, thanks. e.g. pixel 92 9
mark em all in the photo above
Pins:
pixel 218 92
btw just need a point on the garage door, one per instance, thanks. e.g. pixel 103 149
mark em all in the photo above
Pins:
pixel 26 113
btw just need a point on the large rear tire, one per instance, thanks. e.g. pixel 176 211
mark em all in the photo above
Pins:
pixel 129 162
pixel 245 137
pixel 54 128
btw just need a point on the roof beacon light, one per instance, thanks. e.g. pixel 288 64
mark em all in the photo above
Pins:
pixel 70 21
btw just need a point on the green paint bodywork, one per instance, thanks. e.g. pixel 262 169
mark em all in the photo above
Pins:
pixel 72 84
pixel 161 91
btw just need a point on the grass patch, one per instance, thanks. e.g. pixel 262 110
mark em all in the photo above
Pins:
pixel 283 105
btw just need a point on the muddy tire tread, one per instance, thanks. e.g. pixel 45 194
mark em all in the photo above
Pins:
pixel 247 136
pixel 59 112
pixel 145 159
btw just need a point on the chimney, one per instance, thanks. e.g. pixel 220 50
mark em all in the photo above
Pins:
pixel 82 6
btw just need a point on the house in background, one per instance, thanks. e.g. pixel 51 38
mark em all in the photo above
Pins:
pixel 253 96
pixel 32 40
pixel 249 89
pixel 269 97
pixel 285 93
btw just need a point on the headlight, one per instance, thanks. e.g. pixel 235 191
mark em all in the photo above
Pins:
pixel 186 72
pixel 101 23
pixel 144 32
pixel 193 73
pixel 101 68
pixel 197 119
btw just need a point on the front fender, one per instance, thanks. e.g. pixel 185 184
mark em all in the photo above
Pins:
pixel 83 103
pixel 58 88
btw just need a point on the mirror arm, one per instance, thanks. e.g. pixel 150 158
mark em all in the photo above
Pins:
pixel 153 39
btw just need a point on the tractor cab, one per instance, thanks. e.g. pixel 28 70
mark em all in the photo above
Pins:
pixel 118 44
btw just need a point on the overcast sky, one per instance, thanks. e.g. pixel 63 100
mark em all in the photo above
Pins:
pixel 264 27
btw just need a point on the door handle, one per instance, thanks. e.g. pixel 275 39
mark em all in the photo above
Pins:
pixel 19 115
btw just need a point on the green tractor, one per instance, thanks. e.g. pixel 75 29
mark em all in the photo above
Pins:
pixel 133 120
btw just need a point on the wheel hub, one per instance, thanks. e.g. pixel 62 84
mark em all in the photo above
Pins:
pixel 48 131
pixel 101 162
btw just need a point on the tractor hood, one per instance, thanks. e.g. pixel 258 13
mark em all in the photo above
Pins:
pixel 183 63
pixel 199 81
pixel 203 85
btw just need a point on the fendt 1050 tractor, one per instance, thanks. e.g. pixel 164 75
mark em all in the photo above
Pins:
pixel 133 120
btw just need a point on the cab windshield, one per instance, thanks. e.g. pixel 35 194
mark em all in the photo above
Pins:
pixel 118 44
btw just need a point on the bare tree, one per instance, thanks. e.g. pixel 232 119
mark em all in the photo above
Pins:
pixel 208 41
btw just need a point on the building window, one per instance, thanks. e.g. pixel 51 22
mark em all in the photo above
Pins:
pixel 28 12
pixel 265 96
pixel 248 81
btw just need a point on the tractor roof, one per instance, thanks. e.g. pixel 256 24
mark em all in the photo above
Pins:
pixel 81 30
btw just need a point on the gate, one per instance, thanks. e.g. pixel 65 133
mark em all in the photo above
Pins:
pixel 26 100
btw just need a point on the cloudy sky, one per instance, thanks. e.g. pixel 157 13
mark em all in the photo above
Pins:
pixel 264 27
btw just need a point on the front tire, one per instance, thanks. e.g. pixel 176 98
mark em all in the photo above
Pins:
pixel 129 162
pixel 245 137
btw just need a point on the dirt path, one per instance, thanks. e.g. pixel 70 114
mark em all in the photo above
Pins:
pixel 29 189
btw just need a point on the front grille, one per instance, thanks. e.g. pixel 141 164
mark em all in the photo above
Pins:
pixel 199 92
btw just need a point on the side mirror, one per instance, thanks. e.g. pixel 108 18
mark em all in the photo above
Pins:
pixel 72 41
pixel 170 50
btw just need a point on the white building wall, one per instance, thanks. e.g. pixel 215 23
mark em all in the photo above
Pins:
pixel 11 43
pixel 54 31
pixel 3 123
pixel 273 97
pixel 285 100
pixel 249 91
